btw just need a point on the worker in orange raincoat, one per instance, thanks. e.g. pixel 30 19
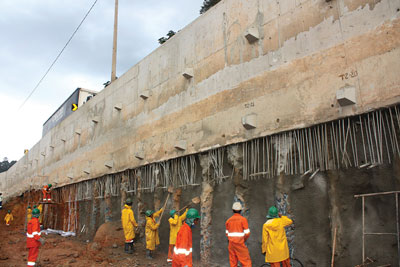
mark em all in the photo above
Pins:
pixel 237 231
pixel 34 239
pixel 175 223
pixel 46 190
pixel 8 218
pixel 274 241
pixel 183 247
pixel 128 223
pixel 152 239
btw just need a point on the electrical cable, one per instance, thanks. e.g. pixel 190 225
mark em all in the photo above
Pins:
pixel 59 54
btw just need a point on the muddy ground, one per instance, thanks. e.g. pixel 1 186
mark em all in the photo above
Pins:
pixel 105 250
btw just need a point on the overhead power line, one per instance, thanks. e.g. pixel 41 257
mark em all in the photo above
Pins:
pixel 59 54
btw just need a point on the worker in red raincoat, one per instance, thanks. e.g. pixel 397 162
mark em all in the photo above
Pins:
pixel 237 231
pixel 34 239
pixel 183 247
pixel 46 193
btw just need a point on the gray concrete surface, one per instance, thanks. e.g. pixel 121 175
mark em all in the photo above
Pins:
pixel 307 51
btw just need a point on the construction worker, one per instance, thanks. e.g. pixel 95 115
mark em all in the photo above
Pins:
pixel 274 241
pixel 29 214
pixel 34 240
pixel 1 201
pixel 237 231
pixel 152 239
pixel 8 218
pixel 47 193
pixel 183 247
pixel 40 208
pixel 128 223
pixel 175 223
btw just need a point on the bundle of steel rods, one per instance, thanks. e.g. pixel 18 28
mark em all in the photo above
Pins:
pixel 366 140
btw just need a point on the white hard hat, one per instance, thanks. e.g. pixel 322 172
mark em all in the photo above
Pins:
pixel 237 206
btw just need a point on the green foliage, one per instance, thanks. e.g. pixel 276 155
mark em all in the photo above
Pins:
pixel 107 83
pixel 5 165
pixel 207 4
pixel 162 40
pixel 169 36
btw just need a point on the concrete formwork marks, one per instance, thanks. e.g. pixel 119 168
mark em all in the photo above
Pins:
pixel 229 74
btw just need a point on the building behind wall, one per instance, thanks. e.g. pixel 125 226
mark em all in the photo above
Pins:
pixel 287 103
pixel 78 98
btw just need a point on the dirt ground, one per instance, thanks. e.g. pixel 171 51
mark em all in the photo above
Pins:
pixel 70 251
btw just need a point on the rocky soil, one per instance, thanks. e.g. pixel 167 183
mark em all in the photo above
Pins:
pixel 106 249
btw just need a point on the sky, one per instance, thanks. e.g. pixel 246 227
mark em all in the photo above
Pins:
pixel 33 32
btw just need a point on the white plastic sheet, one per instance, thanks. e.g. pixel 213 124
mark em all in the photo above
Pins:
pixel 59 232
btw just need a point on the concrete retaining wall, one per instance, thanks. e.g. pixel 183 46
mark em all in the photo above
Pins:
pixel 307 50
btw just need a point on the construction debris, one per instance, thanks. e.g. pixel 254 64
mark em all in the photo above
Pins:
pixel 366 262
pixel 59 232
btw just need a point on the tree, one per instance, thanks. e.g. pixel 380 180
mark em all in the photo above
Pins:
pixel 207 4
pixel 162 40
pixel 107 83
pixel 5 165
pixel 169 36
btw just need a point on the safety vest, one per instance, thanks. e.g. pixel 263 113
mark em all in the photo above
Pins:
pixel 237 229
pixel 33 234
pixel 183 246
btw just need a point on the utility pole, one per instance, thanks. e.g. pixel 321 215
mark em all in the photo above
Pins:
pixel 114 52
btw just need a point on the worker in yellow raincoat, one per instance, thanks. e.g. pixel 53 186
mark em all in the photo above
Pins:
pixel 29 214
pixel 175 223
pixel 40 208
pixel 274 241
pixel 8 218
pixel 128 223
pixel 152 239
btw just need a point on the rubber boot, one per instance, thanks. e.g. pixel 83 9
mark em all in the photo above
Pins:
pixel 149 254
pixel 126 247
pixel 131 248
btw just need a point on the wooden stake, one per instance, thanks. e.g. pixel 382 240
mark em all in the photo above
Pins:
pixel 170 191
pixel 162 213
pixel 334 248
